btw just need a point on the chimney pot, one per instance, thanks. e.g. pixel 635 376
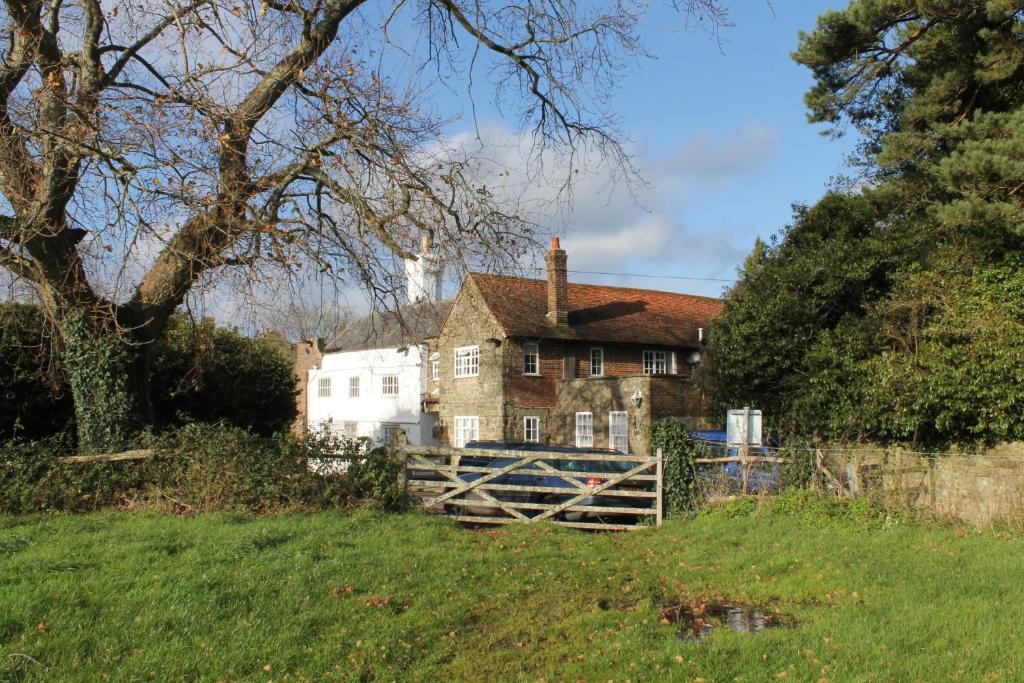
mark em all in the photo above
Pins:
pixel 556 243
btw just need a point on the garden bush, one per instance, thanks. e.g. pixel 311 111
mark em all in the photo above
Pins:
pixel 201 468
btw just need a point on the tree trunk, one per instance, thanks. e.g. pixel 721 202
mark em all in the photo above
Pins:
pixel 107 372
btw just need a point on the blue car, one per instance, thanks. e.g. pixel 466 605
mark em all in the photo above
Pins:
pixel 761 478
pixel 590 473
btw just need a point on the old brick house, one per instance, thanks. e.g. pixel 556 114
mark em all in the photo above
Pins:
pixel 549 361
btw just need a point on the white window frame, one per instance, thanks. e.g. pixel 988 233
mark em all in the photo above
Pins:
pixel 466 428
pixel 353 386
pixel 584 430
pixel 389 386
pixel 349 429
pixel 614 435
pixel 531 429
pixel 655 363
pixel 531 357
pixel 600 361
pixel 435 366
pixel 323 387
pixel 467 361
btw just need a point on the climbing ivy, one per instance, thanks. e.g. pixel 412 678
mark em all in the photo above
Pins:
pixel 106 373
pixel 680 472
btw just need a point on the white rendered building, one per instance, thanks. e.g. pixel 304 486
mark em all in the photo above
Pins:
pixel 376 376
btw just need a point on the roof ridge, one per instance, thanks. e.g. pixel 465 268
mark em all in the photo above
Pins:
pixel 587 284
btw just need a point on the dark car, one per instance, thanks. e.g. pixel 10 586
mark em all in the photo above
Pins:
pixel 586 472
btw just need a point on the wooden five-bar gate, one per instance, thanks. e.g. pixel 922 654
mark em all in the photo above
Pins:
pixel 581 490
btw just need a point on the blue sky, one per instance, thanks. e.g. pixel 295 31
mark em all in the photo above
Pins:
pixel 719 131
pixel 721 135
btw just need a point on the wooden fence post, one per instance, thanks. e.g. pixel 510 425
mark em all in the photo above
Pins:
pixel 659 484
pixel 397 445
pixel 745 449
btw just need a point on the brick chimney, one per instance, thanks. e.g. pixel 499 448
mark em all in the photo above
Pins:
pixel 558 285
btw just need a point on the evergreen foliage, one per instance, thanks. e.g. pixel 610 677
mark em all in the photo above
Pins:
pixel 895 314
pixel 200 468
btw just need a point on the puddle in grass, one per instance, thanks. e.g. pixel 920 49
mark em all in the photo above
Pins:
pixel 697 620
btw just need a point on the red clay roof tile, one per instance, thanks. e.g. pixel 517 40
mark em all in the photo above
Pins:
pixel 597 312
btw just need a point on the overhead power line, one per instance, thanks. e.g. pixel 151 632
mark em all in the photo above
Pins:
pixel 667 277
pixel 647 275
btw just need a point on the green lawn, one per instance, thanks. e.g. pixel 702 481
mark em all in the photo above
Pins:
pixel 411 597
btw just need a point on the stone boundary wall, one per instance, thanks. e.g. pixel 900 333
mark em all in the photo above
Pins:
pixel 975 488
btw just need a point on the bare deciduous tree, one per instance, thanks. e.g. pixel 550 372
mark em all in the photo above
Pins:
pixel 153 146
pixel 296 320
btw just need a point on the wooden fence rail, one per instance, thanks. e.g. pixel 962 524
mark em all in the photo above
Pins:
pixel 580 490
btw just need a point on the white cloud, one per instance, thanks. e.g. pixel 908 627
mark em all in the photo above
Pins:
pixel 706 157
pixel 660 228
pixel 649 238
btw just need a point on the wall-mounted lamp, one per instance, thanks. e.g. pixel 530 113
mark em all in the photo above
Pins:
pixel 637 397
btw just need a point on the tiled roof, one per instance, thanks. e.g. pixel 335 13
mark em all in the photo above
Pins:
pixel 411 324
pixel 597 313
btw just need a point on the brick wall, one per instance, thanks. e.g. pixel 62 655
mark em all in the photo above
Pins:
pixel 306 356
pixel 620 360
pixel 673 398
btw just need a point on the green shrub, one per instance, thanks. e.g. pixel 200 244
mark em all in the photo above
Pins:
pixel 680 474
pixel 31 479
pixel 800 469
pixel 201 468
pixel 203 373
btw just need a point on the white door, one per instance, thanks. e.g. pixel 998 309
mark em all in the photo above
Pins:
pixel 618 431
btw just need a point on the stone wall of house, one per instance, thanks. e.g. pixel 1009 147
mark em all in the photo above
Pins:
pixel 599 396
pixel 471 323
pixel 306 355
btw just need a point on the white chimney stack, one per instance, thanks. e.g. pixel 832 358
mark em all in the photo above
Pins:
pixel 423 275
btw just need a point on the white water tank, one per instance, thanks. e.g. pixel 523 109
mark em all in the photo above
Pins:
pixel 743 425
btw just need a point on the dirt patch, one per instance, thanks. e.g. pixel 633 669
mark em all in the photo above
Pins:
pixel 697 620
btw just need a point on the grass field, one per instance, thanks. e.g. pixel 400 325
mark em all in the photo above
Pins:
pixel 410 597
